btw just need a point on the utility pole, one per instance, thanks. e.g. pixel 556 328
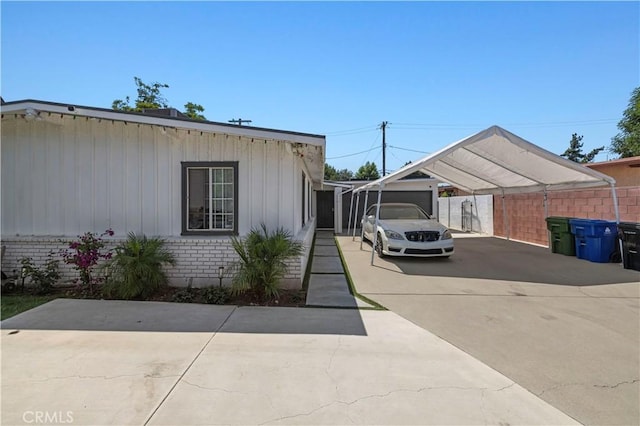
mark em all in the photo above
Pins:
pixel 239 121
pixel 383 126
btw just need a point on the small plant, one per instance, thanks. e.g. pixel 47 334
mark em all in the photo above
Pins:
pixel 216 295
pixel 299 297
pixel 263 257
pixel 84 254
pixel 186 295
pixel 44 277
pixel 136 268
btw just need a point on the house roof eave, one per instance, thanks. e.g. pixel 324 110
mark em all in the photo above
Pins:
pixel 177 122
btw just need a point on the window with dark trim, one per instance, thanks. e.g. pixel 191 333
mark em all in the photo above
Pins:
pixel 210 198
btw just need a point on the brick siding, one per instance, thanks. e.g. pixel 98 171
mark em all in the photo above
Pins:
pixel 197 260
pixel 525 212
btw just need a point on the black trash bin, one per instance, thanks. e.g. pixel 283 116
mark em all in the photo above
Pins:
pixel 629 233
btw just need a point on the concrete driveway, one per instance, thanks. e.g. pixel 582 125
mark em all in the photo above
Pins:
pixel 87 362
pixel 566 329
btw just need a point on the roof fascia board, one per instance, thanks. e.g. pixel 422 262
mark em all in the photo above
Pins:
pixel 211 127
pixel 336 184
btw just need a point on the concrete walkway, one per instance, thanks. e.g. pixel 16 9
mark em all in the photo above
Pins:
pixel 328 286
pixel 247 365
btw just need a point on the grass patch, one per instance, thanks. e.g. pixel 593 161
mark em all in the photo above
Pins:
pixel 352 288
pixel 12 305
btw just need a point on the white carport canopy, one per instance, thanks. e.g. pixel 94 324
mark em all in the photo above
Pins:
pixel 495 161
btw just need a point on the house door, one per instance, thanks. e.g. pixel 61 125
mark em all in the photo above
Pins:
pixel 325 209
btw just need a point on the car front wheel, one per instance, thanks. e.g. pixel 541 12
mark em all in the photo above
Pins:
pixel 379 246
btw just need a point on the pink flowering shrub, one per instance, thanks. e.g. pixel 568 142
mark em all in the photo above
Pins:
pixel 85 253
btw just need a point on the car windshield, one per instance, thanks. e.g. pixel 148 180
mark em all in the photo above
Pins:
pixel 401 212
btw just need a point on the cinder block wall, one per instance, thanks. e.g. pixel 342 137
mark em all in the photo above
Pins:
pixel 197 260
pixel 525 212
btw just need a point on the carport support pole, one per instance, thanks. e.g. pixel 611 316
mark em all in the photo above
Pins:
pixel 614 195
pixel 350 211
pixel 375 228
pixel 355 213
pixel 546 215
pixel 505 220
pixel 364 212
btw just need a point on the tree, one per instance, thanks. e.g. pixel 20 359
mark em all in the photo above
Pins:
pixel 330 173
pixel 369 171
pixel 574 152
pixel 345 174
pixel 627 142
pixel 150 97
pixel 192 110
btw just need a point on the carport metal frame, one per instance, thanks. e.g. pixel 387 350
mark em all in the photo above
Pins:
pixel 491 183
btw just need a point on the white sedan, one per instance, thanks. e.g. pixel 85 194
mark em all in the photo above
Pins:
pixel 406 230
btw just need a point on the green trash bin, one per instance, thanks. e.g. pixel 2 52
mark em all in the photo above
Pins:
pixel 562 240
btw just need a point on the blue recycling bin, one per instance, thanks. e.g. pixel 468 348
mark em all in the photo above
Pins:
pixel 595 239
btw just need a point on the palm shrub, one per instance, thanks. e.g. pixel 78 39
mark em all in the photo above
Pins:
pixel 263 255
pixel 136 268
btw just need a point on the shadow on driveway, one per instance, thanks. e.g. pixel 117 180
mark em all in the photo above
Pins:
pixel 115 315
pixel 498 259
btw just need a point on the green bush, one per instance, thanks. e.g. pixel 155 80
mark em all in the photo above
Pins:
pixel 136 268
pixel 44 277
pixel 263 257
pixel 185 295
pixel 215 295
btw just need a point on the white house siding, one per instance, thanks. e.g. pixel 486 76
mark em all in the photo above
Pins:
pixel 64 175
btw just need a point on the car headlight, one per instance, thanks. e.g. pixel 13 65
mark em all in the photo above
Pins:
pixel 393 235
pixel 446 235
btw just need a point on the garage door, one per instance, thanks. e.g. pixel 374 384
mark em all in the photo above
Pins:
pixel 424 199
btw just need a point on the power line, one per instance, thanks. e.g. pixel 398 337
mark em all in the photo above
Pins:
pixel 408 149
pixel 355 153
pixel 397 158
pixel 352 131
pixel 371 147
pixel 593 122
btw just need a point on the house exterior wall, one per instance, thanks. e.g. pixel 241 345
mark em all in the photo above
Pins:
pixel 525 212
pixel 64 175
pixel 626 171
pixel 450 212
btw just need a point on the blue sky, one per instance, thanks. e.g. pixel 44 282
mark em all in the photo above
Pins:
pixel 437 72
